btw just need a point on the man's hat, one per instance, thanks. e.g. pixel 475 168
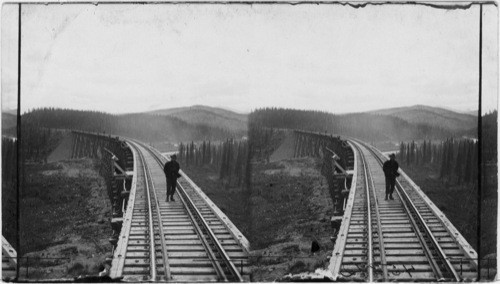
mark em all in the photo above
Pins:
pixel 174 156
pixel 392 155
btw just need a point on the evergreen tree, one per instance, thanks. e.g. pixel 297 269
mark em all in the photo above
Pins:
pixel 468 162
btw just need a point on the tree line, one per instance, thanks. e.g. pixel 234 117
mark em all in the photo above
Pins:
pixel 264 141
pixel 38 142
pixel 9 159
pixel 233 158
pixel 146 127
pixel 9 190
pixel 489 137
pixel 455 159
pixel 230 157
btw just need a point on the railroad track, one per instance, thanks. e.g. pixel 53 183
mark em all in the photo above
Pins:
pixel 181 241
pixel 405 239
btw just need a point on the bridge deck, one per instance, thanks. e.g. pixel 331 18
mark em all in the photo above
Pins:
pixel 180 245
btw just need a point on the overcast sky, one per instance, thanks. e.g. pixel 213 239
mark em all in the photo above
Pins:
pixel 132 58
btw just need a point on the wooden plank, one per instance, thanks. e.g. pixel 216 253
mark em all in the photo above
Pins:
pixel 178 223
pixel 411 276
pixel 183 242
pixel 176 248
pixel 172 231
pixel 406 259
pixel 182 237
pixel 404 252
pixel 194 278
pixel 137 254
pixel 9 253
pixel 187 262
pixel 187 254
pixel 176 270
pixel 138 262
pixel 136 270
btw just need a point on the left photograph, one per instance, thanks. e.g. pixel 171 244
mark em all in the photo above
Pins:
pixel 100 192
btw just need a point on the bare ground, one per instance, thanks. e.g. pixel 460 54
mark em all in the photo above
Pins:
pixel 64 224
pixel 285 150
pixel 291 208
pixel 288 207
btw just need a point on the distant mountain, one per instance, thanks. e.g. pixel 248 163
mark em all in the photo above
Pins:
pixel 432 116
pixel 9 121
pixel 205 115
pixel 10 111
pixel 471 112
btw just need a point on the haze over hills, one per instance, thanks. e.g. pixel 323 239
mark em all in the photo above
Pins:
pixel 9 121
pixel 365 126
pixel 433 116
pixel 417 117
pixel 12 111
pixel 210 116
pixel 203 122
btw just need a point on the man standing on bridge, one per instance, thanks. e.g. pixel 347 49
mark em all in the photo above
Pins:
pixel 391 172
pixel 171 171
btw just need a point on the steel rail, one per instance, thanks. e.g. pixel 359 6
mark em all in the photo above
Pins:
pixel 434 265
pixel 152 250
pixel 218 268
pixel 444 259
pixel 227 260
pixel 463 245
pixel 369 219
pixel 206 245
pixel 427 250
pixel 418 233
pixel 383 262
pixel 166 266
pixel 197 214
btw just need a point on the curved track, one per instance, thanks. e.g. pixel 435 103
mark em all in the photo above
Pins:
pixel 405 239
pixel 180 241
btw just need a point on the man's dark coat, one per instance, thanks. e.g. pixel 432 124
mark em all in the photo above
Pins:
pixel 171 170
pixel 391 169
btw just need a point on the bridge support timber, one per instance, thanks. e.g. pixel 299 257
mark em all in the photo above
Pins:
pixel 117 164
pixel 338 166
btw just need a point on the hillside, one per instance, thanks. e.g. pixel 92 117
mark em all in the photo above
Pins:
pixel 146 127
pixel 433 116
pixel 205 115
pixel 365 126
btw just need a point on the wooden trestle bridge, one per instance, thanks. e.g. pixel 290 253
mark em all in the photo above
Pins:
pixel 191 240
pixel 406 239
